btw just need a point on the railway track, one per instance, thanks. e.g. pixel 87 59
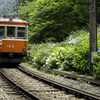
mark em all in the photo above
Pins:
pixel 70 90
pixel 45 93
pixel 86 78
pixel 75 76
pixel 36 86
pixel 9 90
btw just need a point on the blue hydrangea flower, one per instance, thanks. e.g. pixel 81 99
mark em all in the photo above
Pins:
pixel 99 50
pixel 69 39
pixel 80 50
pixel 38 54
pixel 35 64
pixel 72 52
pixel 46 52
pixel 65 61
pixel 70 56
pixel 87 67
pixel 53 59
pixel 71 60
pixel 54 45
pixel 30 54
pixel 81 44
pixel 44 65
pixel 74 41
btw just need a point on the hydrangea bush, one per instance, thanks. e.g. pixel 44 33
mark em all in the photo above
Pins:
pixel 96 66
pixel 72 54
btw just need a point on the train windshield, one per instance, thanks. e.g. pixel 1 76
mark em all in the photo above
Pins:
pixel 21 33
pixel 2 32
pixel 10 32
pixel 15 32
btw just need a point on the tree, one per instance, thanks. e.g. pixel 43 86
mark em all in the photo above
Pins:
pixel 7 7
pixel 2 2
pixel 54 19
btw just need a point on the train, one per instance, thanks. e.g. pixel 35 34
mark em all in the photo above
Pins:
pixel 13 39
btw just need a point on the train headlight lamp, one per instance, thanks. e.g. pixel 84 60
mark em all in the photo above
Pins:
pixel 11 55
pixel 24 49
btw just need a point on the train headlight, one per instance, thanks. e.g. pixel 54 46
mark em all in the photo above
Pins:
pixel 24 49
pixel 11 55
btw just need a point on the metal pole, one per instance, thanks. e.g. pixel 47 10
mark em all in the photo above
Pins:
pixel 93 33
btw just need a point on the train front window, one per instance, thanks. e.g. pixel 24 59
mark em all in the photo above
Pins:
pixel 10 32
pixel 2 32
pixel 21 33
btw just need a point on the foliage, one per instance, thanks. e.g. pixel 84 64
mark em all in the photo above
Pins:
pixel 81 54
pixel 56 58
pixel 72 54
pixel 39 53
pixel 96 72
pixel 2 2
pixel 7 7
pixel 97 67
pixel 53 20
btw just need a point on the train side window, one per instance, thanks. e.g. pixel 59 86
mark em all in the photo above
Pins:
pixel 2 31
pixel 10 32
pixel 21 33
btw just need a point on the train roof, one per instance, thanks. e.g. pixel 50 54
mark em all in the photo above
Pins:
pixel 12 21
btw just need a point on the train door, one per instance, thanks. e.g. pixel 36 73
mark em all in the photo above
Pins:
pixel 2 35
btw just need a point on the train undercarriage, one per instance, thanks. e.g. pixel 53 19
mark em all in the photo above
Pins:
pixel 12 57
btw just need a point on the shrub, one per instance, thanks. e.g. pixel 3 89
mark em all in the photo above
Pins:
pixel 81 57
pixel 40 52
pixel 56 58
pixel 71 54
pixel 96 67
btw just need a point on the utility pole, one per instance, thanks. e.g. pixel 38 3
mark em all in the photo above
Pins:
pixel 93 33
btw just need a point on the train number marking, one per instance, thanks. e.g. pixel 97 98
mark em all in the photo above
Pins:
pixel 10 46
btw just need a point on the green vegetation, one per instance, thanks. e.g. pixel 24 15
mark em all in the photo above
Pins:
pixel 97 58
pixel 53 20
pixel 70 55
pixel 60 30
pixel 97 66
pixel 7 6
pixel 2 2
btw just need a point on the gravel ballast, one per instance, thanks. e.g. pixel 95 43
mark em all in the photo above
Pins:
pixel 38 88
pixel 28 83
pixel 66 81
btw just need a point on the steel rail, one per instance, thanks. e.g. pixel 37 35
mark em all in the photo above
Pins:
pixel 77 92
pixel 74 76
pixel 18 88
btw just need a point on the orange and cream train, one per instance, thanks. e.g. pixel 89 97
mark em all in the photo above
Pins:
pixel 13 39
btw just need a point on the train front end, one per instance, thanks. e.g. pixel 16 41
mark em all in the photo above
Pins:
pixel 13 40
